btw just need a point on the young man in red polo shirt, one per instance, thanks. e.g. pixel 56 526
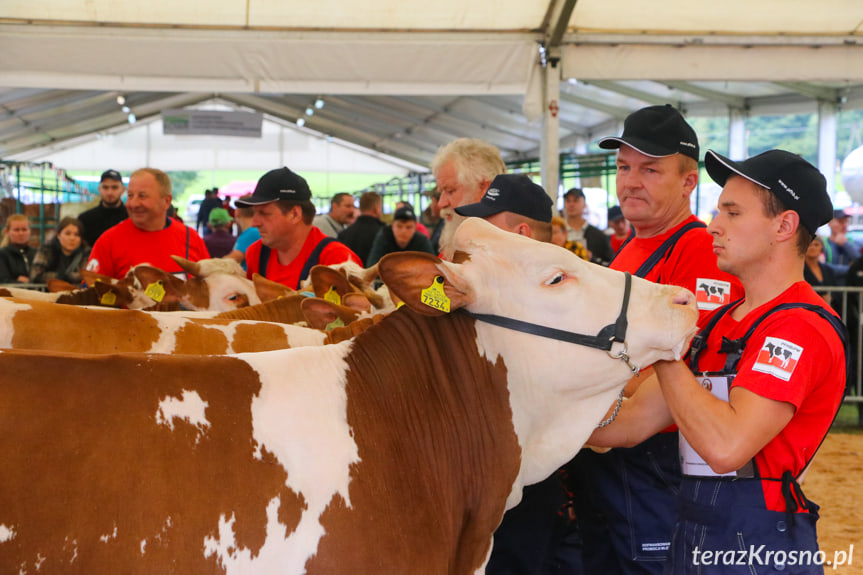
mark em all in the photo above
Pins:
pixel 290 245
pixel 765 379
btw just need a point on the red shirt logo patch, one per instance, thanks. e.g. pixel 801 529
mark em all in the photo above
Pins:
pixel 778 357
pixel 711 294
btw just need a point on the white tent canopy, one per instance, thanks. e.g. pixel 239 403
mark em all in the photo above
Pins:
pixel 402 78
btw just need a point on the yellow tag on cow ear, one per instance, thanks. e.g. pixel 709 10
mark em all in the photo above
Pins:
pixel 400 304
pixel 435 297
pixel 333 296
pixel 334 324
pixel 108 298
pixel 155 291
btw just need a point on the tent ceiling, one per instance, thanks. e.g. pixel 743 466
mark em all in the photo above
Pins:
pixel 403 77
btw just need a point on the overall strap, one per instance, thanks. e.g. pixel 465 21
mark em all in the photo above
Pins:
pixel 734 348
pixel 699 342
pixel 313 258
pixel 263 260
pixel 666 247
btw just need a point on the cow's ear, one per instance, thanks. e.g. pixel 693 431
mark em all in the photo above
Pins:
pixel 268 290
pixel 324 278
pixel 90 278
pixel 423 282
pixel 321 313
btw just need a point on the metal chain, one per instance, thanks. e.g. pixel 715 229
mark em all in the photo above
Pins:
pixel 613 413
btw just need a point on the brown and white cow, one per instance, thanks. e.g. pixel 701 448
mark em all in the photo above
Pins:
pixel 36 325
pixel 395 452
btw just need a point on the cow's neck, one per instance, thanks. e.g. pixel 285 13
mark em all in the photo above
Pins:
pixel 436 418
pixel 551 424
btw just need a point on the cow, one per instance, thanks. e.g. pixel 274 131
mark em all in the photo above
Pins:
pixel 394 452
pixel 100 331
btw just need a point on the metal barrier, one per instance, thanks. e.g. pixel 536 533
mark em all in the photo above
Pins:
pixel 848 303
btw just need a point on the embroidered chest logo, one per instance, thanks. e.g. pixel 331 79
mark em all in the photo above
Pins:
pixel 778 357
pixel 711 294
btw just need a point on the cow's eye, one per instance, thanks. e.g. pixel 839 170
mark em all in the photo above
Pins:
pixel 233 297
pixel 556 279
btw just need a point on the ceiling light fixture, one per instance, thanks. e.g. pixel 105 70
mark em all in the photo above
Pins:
pixel 319 103
pixel 301 122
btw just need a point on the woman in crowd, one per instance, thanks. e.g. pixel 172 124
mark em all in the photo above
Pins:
pixel 814 272
pixel 63 257
pixel 16 254
pixel 559 238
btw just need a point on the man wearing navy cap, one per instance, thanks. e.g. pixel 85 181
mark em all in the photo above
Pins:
pixel 626 499
pixel 110 210
pixel 290 245
pixel 401 236
pixel 515 204
pixel 764 380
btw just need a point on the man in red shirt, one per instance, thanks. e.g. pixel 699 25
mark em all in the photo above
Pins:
pixel 148 235
pixel 626 500
pixel 290 245
pixel 765 379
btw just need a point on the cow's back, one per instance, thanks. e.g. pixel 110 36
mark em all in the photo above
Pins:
pixel 115 465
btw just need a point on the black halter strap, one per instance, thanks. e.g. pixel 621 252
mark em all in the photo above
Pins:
pixel 607 336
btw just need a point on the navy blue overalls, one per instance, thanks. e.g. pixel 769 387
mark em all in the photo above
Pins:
pixel 726 516
pixel 626 499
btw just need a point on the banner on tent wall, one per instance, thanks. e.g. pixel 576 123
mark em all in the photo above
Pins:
pixel 211 123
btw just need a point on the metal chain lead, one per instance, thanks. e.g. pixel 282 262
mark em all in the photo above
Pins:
pixel 613 413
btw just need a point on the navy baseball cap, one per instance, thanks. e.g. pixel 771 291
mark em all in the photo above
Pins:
pixel 111 175
pixel 797 183
pixel 614 213
pixel 656 131
pixel 511 193
pixel 280 184
pixel 405 213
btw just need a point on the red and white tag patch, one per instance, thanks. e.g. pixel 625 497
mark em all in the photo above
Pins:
pixel 778 357
pixel 711 294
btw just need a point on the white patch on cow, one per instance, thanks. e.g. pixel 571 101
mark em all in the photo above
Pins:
pixel 310 404
pixel 191 407
pixel 106 538
pixel 278 554
pixel 8 309
pixel 168 327
pixel 143 546
pixel 6 533
pixel 224 288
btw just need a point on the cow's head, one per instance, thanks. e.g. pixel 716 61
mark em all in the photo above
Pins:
pixel 216 284
pixel 553 384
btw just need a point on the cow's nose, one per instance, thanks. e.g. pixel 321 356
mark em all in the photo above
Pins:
pixel 683 297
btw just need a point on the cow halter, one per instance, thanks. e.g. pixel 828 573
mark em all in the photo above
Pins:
pixel 604 340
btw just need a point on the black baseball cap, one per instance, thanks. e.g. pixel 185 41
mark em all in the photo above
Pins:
pixel 840 215
pixel 511 193
pixel 656 131
pixel 111 175
pixel 280 184
pixel 405 213
pixel 797 183
pixel 614 213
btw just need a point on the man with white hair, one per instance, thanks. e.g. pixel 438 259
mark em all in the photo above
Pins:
pixel 463 169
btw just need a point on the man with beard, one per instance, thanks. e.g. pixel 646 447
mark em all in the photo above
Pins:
pixel 463 169
pixel 110 210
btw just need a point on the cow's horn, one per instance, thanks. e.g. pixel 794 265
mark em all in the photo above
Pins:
pixel 193 268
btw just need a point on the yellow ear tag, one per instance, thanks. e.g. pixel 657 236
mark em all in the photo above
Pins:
pixel 434 296
pixel 334 324
pixel 400 304
pixel 108 298
pixel 333 296
pixel 155 291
